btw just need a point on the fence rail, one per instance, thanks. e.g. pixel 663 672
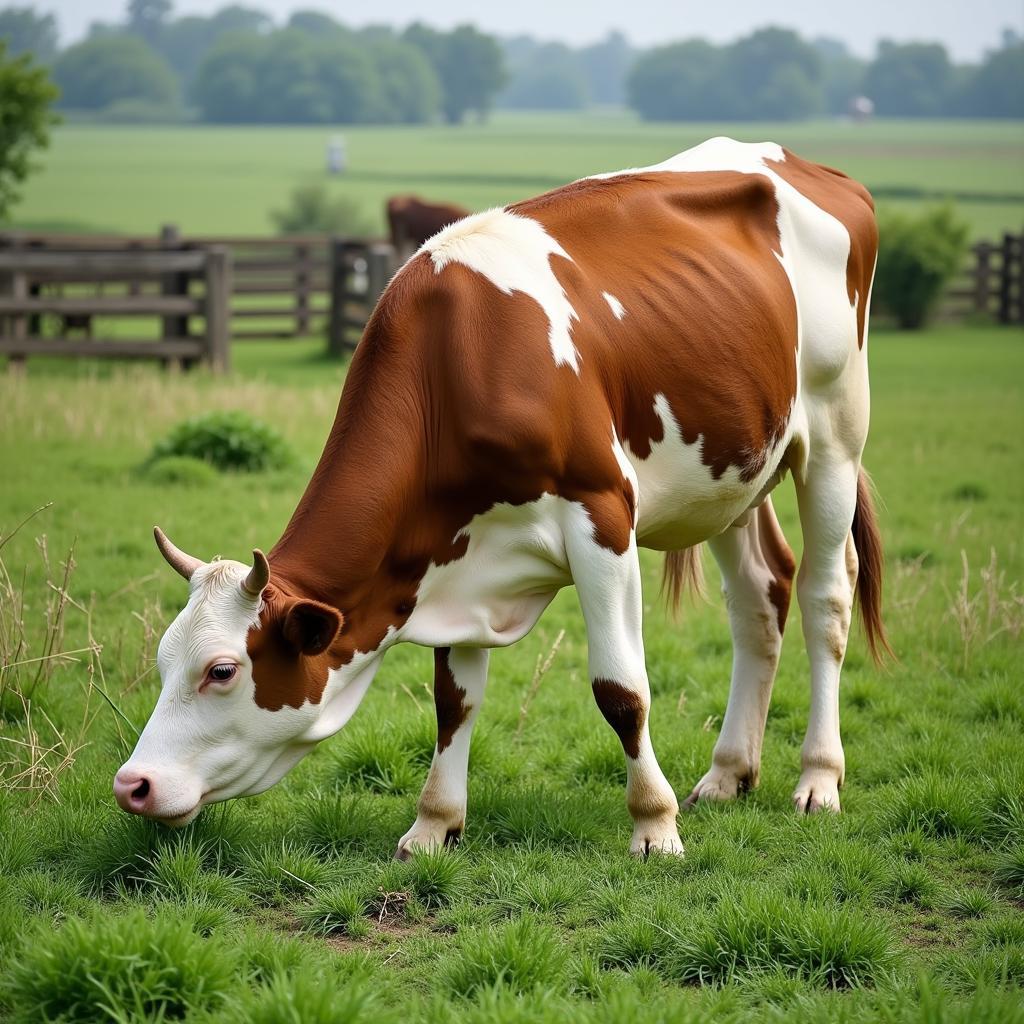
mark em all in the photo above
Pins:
pixel 288 286
pixel 34 283
pixel 292 268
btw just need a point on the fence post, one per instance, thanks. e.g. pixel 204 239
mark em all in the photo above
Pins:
pixel 981 271
pixel 19 322
pixel 218 299
pixel 337 271
pixel 173 284
pixel 302 284
pixel 380 259
pixel 1010 275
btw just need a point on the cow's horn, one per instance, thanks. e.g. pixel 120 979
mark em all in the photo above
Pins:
pixel 181 563
pixel 259 574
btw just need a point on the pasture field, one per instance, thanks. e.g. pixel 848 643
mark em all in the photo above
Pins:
pixel 288 907
pixel 210 179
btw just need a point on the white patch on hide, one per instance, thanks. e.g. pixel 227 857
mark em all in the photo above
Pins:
pixel 514 253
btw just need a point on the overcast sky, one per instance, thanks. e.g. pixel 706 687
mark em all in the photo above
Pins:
pixel 967 27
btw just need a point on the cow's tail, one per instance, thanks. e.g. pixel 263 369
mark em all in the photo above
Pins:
pixel 683 570
pixel 867 540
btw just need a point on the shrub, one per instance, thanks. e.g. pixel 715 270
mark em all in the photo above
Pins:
pixel 312 208
pixel 917 256
pixel 135 967
pixel 227 440
pixel 179 471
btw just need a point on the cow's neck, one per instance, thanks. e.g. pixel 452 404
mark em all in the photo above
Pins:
pixel 350 542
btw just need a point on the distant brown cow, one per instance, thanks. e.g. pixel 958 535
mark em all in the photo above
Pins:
pixel 412 221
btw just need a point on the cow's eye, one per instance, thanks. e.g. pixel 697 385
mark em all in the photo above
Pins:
pixel 222 673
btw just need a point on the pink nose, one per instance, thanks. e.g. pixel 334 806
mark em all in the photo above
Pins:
pixel 133 792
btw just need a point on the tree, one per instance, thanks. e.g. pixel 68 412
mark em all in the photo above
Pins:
pixel 227 83
pixel 24 31
pixel 773 76
pixel 605 66
pixel 26 94
pixel 909 80
pixel 185 41
pixel 996 89
pixel 678 82
pixel 293 77
pixel 410 92
pixel 769 75
pixel 469 66
pixel 314 23
pixel 550 79
pixel 842 81
pixel 148 18
pixel 104 69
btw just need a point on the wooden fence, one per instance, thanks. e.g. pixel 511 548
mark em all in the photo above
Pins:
pixel 360 271
pixel 36 284
pixel 991 286
pixel 280 284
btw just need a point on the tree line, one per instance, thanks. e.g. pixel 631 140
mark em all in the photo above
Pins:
pixel 774 74
pixel 237 66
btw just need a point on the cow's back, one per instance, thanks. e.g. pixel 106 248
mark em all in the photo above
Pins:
pixel 651 316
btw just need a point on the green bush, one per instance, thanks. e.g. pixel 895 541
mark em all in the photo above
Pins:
pixel 179 470
pixel 227 440
pixel 311 208
pixel 917 257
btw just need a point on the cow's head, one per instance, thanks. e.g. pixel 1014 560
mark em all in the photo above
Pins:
pixel 250 682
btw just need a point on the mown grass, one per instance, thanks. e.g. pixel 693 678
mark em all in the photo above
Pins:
pixel 237 175
pixel 287 907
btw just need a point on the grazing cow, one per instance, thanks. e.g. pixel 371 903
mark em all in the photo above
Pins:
pixel 633 360
pixel 411 221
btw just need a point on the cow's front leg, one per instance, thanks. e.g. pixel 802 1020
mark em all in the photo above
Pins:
pixel 606 571
pixel 460 674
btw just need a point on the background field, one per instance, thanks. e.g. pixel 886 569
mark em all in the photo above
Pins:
pixel 227 179
pixel 905 908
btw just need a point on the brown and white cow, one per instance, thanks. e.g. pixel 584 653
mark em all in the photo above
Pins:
pixel 633 360
pixel 411 221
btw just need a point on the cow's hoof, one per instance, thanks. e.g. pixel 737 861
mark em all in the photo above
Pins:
pixel 816 791
pixel 720 784
pixel 427 836
pixel 656 838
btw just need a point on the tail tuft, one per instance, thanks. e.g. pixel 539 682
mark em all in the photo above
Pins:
pixel 683 570
pixel 868 542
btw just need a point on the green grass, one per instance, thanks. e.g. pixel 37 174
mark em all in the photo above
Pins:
pixel 906 908
pixel 212 180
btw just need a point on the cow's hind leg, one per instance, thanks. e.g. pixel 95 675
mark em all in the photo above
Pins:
pixel 607 578
pixel 757 573
pixel 460 674
pixel 828 573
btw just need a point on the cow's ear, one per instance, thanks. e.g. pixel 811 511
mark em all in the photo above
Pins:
pixel 310 627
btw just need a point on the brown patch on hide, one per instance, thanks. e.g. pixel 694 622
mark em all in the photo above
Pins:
pixel 449 700
pixel 781 563
pixel 624 711
pixel 282 674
